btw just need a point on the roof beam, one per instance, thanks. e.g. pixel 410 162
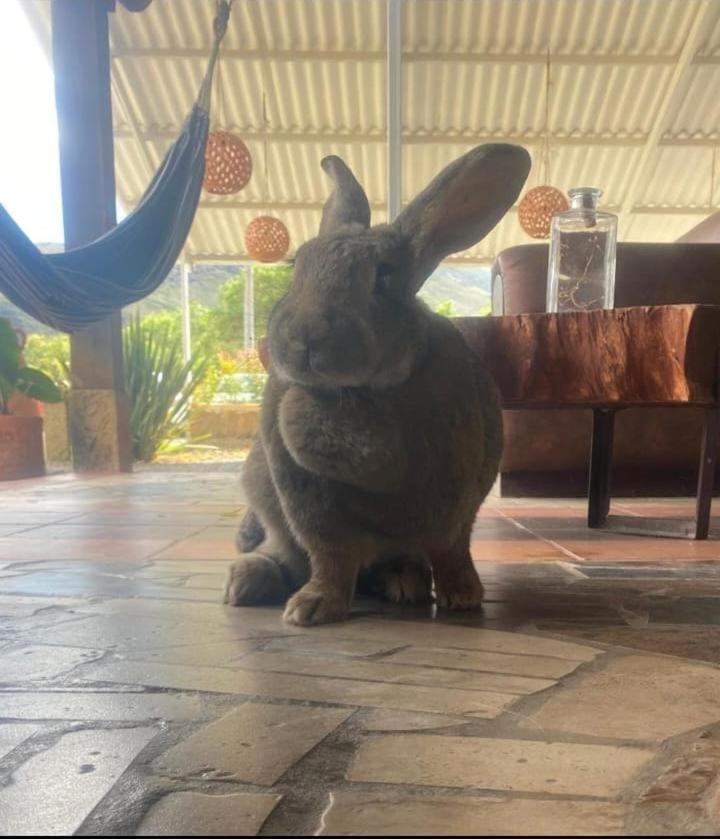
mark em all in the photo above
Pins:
pixel 667 102
pixel 381 206
pixel 240 257
pixel 409 56
pixel 135 132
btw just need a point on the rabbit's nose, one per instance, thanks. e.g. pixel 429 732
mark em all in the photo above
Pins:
pixel 308 334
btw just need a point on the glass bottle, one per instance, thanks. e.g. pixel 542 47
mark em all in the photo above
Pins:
pixel 581 267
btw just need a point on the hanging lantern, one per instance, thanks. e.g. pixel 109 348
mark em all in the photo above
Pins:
pixel 267 239
pixel 228 164
pixel 537 208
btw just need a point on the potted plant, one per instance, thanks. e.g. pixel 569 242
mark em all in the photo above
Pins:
pixel 21 437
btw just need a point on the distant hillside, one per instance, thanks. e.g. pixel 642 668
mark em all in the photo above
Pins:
pixel 467 288
pixel 205 284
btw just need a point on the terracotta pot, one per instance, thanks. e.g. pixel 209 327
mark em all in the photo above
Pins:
pixel 21 447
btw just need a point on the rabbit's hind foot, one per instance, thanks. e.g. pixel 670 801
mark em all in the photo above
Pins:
pixel 402 581
pixel 253 580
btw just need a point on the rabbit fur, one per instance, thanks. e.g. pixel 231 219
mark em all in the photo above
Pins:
pixel 380 434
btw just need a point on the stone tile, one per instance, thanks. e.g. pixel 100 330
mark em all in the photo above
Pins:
pixel 175 514
pixel 521 665
pixel 641 549
pixel 254 743
pixel 380 720
pixel 136 631
pixel 101 706
pixel 331 646
pixel 197 814
pixel 689 776
pixel 31 549
pixel 514 550
pixel 29 519
pixel 53 792
pixel 687 641
pixel 314 689
pixel 34 662
pixel 12 529
pixel 219 653
pixel 391 671
pixel 199 548
pixel 125 531
pixel 12 735
pixel 438 634
pixel 375 814
pixel 18 606
pixel 659 698
pixel 213 582
pixel 494 764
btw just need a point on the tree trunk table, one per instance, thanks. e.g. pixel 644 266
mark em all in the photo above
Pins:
pixel 607 360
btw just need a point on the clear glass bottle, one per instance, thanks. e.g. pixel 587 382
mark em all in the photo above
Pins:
pixel 581 267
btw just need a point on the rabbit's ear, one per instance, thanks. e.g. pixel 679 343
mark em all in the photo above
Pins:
pixel 462 205
pixel 347 204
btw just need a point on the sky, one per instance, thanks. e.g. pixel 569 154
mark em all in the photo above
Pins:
pixel 29 167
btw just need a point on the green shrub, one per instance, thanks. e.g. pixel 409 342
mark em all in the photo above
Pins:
pixel 50 353
pixel 270 282
pixel 159 383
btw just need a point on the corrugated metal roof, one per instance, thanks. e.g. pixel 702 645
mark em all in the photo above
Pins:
pixel 300 79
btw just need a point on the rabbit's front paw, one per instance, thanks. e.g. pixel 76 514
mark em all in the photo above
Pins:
pixel 314 605
pixel 254 579
pixel 460 594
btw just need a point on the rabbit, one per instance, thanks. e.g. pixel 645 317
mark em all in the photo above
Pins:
pixel 380 434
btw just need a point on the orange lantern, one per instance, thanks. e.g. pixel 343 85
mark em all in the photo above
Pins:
pixel 228 164
pixel 537 208
pixel 267 239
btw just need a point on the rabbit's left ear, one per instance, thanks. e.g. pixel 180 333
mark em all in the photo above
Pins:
pixel 462 205
pixel 347 204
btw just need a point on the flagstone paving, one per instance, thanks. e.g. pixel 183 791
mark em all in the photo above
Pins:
pixel 584 699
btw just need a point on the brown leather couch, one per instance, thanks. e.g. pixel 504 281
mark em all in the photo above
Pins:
pixel 656 450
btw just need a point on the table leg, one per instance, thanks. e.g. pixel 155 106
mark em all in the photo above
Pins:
pixel 706 472
pixel 601 455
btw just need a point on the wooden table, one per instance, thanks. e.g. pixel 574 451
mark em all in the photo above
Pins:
pixel 608 360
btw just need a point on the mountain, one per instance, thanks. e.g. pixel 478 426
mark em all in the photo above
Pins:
pixel 467 288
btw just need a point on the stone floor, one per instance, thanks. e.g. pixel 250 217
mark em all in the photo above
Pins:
pixel 585 699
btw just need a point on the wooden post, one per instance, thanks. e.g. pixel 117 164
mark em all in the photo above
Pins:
pixel 98 410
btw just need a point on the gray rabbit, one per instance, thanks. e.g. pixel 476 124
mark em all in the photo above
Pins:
pixel 380 434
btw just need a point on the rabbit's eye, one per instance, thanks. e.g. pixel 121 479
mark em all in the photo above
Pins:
pixel 383 275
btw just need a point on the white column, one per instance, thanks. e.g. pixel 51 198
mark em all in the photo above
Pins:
pixel 185 310
pixel 249 309
pixel 394 107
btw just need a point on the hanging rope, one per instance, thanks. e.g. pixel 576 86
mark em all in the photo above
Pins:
pixel 547 116
pixel 70 290
pixel 220 24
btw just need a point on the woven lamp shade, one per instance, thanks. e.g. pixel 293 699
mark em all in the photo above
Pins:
pixel 228 165
pixel 267 239
pixel 537 208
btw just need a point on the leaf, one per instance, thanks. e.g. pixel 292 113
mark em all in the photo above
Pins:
pixel 37 385
pixel 159 382
pixel 9 350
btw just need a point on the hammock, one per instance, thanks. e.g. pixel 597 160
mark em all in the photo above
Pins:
pixel 74 289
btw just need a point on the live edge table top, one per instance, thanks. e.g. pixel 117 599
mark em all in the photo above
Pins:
pixel 605 358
